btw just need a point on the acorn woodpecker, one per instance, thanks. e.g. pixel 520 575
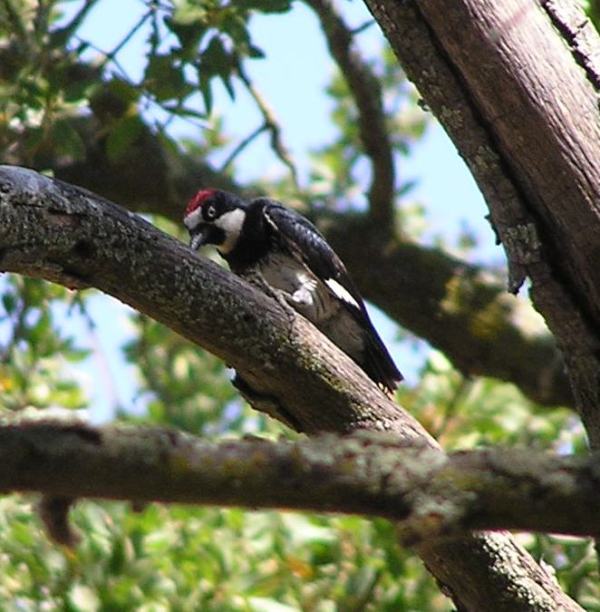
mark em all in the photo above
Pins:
pixel 262 239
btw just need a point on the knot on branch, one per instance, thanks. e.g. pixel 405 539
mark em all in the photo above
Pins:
pixel 523 248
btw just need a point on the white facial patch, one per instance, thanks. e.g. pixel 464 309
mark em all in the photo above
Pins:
pixel 191 220
pixel 341 292
pixel 231 223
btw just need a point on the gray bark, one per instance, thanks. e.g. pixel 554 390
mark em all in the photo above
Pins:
pixel 52 230
pixel 432 496
pixel 519 99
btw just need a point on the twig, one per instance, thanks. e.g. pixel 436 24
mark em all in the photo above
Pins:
pixel 78 19
pixel 106 59
pixel 271 124
pixel 51 229
pixel 366 91
pixel 242 145
pixel 110 56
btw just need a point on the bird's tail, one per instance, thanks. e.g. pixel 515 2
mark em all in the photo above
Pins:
pixel 379 365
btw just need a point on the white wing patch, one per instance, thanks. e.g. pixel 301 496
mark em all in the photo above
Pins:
pixel 341 292
pixel 306 293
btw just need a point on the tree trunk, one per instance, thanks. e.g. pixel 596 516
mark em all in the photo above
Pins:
pixel 519 98
pixel 515 86
pixel 507 88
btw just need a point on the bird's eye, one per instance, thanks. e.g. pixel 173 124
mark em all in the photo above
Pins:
pixel 211 212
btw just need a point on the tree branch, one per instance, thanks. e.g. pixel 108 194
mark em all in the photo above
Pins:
pixel 579 32
pixel 55 231
pixel 461 309
pixel 270 123
pixel 421 275
pixel 370 474
pixel 150 177
pixel 365 90
pixel 534 160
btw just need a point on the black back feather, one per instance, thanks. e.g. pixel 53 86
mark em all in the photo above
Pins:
pixel 304 242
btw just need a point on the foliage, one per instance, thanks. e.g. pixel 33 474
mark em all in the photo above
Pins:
pixel 35 350
pixel 204 559
pixel 338 170
pixel 592 10
pixel 188 558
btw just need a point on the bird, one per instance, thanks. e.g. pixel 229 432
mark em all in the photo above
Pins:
pixel 276 248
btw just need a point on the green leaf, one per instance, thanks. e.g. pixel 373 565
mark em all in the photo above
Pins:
pixel 255 52
pixel 266 6
pixel 188 32
pixel 9 301
pixel 206 91
pixel 123 134
pixel 234 24
pixel 216 60
pixel 41 328
pixel 124 91
pixel 187 13
pixel 66 140
pixel 164 78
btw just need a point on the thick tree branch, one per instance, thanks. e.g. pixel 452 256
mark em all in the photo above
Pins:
pixel 423 276
pixel 535 161
pixel 55 231
pixel 579 32
pixel 370 474
pixel 454 302
pixel 366 92
pixel 152 178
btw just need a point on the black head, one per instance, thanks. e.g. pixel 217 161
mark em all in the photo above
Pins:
pixel 214 217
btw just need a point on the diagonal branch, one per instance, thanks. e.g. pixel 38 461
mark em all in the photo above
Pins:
pixel 369 474
pixel 53 230
pixel 423 276
pixel 527 127
pixel 241 146
pixel 453 302
pixel 365 89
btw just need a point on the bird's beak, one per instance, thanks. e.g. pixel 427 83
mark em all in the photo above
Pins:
pixel 200 237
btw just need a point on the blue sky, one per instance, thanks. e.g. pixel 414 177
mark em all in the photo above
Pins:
pixel 292 77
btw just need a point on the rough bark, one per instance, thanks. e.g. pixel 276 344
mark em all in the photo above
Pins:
pixel 55 231
pixel 520 103
pixel 369 474
pixel 521 107
pixel 440 294
pixel 459 301
pixel 152 178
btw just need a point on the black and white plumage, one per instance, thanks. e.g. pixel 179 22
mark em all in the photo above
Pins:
pixel 263 239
